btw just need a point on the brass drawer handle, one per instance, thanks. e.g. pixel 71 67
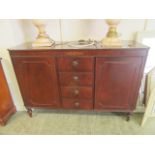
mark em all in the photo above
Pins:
pixel 75 63
pixel 75 78
pixel 76 104
pixel 76 92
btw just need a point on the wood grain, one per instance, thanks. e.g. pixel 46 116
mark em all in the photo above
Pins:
pixel 107 79
pixel 7 107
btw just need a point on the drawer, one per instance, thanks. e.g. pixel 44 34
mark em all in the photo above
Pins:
pixel 75 64
pixel 77 92
pixel 77 104
pixel 76 79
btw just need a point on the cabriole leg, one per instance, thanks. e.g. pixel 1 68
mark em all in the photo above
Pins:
pixel 29 111
pixel 128 116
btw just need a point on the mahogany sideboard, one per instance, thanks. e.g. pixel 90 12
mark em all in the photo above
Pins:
pixel 7 107
pixel 92 78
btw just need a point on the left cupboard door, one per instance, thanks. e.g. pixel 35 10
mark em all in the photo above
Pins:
pixel 38 82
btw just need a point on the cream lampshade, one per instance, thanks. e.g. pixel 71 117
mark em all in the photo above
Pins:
pixel 42 39
pixel 112 39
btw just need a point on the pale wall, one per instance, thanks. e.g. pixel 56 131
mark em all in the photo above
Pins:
pixel 11 34
pixel 14 32
pixel 75 29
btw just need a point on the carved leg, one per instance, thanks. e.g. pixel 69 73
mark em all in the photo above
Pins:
pixel 29 111
pixel 2 123
pixel 128 116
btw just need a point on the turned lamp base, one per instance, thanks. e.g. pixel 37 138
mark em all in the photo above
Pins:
pixel 112 39
pixel 43 42
pixel 111 42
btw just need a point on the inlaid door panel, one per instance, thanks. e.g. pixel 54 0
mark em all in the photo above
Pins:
pixel 116 82
pixel 38 81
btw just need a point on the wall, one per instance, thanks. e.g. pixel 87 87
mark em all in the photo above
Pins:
pixel 14 32
pixel 75 29
pixel 11 34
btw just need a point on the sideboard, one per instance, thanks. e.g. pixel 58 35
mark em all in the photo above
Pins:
pixel 93 78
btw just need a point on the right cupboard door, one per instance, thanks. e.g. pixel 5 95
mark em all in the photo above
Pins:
pixel 117 83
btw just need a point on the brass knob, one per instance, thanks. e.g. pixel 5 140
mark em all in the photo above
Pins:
pixel 76 104
pixel 75 78
pixel 75 63
pixel 76 91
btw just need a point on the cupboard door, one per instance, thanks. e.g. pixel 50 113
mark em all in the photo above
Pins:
pixel 38 81
pixel 117 82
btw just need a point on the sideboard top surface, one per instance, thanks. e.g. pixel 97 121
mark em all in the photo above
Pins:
pixel 64 46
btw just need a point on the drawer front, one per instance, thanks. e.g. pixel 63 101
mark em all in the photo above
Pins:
pixel 76 79
pixel 77 104
pixel 75 64
pixel 77 92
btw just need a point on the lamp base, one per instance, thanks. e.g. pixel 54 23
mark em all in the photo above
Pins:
pixel 43 42
pixel 111 42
